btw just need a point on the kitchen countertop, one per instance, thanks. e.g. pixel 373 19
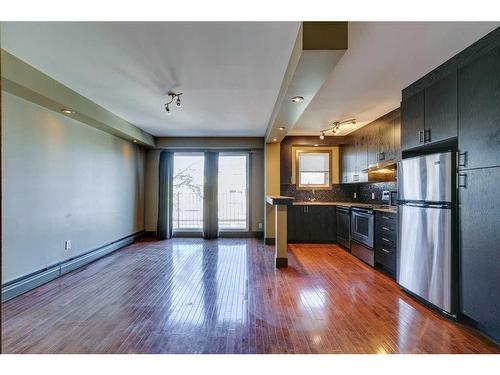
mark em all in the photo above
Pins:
pixel 314 203
pixel 388 210
pixel 344 204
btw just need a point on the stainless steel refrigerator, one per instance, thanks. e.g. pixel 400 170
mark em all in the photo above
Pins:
pixel 426 209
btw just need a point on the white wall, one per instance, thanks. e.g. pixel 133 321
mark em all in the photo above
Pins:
pixel 63 180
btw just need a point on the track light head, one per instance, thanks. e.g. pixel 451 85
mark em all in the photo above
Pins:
pixel 174 97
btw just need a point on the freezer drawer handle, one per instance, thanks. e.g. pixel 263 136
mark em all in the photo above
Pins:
pixel 462 180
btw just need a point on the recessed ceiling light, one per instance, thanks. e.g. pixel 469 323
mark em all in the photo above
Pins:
pixel 275 139
pixel 297 99
pixel 134 140
pixel 315 145
pixel 67 111
pixel 281 128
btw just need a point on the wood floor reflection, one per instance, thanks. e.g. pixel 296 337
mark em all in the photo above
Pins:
pixel 225 296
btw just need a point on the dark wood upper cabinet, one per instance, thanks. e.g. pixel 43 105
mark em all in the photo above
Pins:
pixel 361 158
pixel 348 155
pixel 386 150
pixel 396 136
pixel 413 121
pixel 374 142
pixel 479 247
pixel 441 109
pixel 430 115
pixel 479 112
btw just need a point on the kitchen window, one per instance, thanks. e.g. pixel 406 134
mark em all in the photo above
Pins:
pixel 313 169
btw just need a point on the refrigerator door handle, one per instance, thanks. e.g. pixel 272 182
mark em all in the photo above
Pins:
pixel 462 180
pixel 462 159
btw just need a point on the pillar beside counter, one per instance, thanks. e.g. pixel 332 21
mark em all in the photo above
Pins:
pixel 280 224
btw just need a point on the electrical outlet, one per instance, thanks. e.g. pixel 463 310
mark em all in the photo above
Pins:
pixel 260 225
pixel 373 195
pixel 67 244
pixel 355 195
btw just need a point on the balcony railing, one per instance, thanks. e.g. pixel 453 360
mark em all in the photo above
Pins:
pixel 188 210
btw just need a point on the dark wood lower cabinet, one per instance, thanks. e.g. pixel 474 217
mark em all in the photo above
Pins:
pixel 312 224
pixel 385 241
pixel 479 218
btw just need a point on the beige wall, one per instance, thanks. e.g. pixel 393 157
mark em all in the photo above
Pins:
pixel 63 180
pixel 256 174
pixel 272 183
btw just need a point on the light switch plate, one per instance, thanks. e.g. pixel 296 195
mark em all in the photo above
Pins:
pixel 260 225
pixel 355 195
pixel 373 195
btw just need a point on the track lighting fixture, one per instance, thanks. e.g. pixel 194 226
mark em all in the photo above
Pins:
pixel 173 96
pixel 336 127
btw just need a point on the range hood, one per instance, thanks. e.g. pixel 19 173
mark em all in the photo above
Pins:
pixel 383 171
pixel 381 166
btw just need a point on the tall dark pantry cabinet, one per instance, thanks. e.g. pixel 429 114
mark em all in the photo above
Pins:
pixel 459 103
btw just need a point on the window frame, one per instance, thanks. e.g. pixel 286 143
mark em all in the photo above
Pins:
pixel 300 186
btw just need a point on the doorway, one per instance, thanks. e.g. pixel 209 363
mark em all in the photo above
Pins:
pixel 187 213
pixel 233 192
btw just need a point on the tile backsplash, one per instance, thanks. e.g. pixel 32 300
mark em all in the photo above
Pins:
pixel 343 192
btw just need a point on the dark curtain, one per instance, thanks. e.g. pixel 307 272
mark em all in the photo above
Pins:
pixel 210 196
pixel 165 201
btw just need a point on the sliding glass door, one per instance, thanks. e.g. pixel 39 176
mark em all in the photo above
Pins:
pixel 188 192
pixel 233 191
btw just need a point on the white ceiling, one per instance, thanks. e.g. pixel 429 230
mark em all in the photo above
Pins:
pixel 381 60
pixel 230 73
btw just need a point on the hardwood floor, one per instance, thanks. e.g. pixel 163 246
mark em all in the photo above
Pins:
pixel 225 296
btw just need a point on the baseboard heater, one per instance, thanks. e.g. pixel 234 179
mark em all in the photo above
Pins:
pixel 26 283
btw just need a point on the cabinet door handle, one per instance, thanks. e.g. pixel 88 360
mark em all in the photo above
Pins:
pixel 385 250
pixel 385 228
pixel 385 239
pixel 427 135
pixel 421 136
pixel 462 159
pixel 461 180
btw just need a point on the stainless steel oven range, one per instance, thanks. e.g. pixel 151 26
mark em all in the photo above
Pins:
pixel 362 227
